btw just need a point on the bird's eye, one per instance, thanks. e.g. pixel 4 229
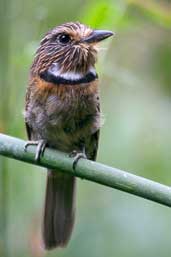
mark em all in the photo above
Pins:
pixel 64 38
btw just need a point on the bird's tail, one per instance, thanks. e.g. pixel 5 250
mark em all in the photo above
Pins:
pixel 59 209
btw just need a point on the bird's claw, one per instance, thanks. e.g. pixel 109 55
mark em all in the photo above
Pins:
pixel 77 155
pixel 41 144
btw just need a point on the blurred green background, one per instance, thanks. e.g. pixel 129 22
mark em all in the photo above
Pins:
pixel 135 81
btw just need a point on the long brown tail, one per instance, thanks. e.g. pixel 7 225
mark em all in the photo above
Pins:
pixel 59 209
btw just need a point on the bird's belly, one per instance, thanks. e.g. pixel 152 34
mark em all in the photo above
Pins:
pixel 63 129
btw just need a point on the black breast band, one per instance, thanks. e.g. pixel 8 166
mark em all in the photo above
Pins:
pixel 50 77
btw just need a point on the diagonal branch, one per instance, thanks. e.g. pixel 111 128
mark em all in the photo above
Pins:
pixel 14 148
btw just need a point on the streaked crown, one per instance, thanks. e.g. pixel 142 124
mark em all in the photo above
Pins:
pixel 71 46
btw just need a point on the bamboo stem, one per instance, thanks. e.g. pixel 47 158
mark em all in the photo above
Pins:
pixel 14 148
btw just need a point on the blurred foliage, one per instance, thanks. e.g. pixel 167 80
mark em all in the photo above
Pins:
pixel 135 82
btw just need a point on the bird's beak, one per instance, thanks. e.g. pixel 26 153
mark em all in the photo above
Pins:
pixel 97 35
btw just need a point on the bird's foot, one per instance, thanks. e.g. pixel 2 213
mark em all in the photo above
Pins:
pixel 41 144
pixel 77 155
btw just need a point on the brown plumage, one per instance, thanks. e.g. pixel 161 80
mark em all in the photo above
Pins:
pixel 63 110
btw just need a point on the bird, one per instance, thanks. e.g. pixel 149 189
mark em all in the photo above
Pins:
pixel 62 111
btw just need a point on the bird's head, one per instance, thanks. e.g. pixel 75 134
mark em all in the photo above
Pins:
pixel 69 48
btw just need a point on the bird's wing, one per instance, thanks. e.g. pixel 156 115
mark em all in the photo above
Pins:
pixel 28 131
pixel 27 98
pixel 91 149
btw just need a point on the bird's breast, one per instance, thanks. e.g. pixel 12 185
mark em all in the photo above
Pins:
pixel 64 114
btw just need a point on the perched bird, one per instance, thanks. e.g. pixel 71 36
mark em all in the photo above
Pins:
pixel 62 111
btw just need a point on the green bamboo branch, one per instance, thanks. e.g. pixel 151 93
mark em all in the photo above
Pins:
pixel 14 148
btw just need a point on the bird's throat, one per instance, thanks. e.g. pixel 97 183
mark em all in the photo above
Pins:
pixel 53 75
